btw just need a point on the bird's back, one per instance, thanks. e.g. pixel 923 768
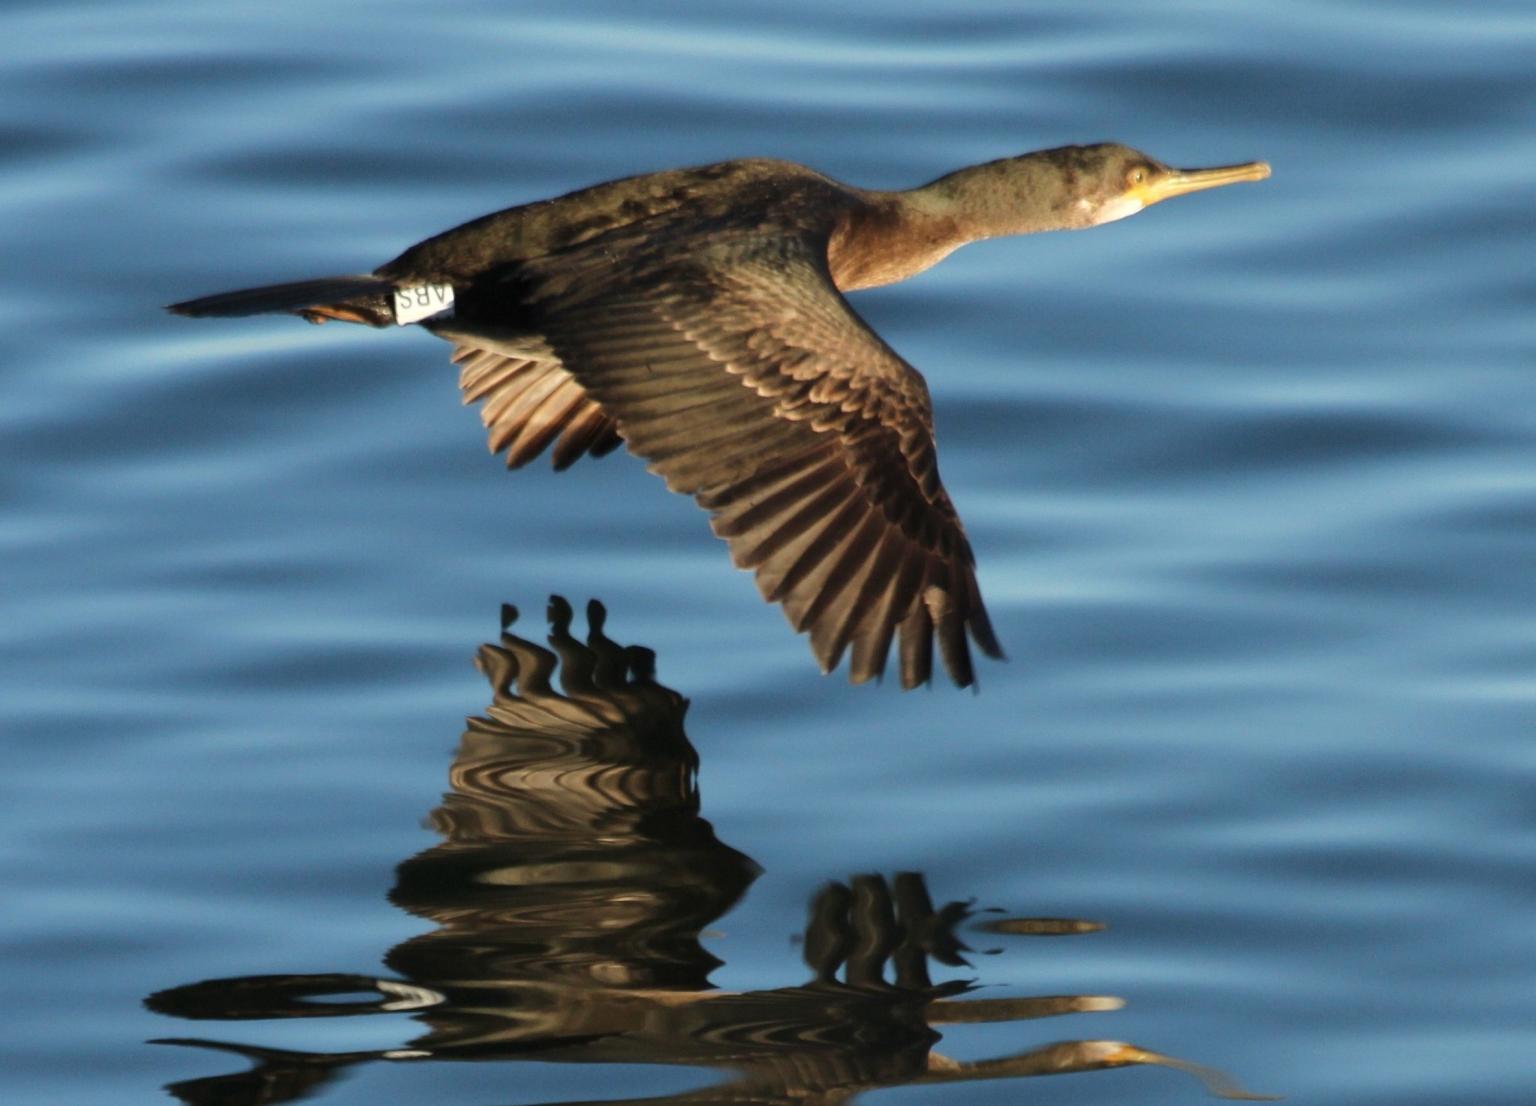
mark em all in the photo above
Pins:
pixel 774 192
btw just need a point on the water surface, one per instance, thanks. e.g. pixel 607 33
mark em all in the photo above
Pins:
pixel 1249 477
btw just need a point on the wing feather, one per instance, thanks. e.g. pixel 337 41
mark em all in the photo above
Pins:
pixel 528 402
pixel 735 368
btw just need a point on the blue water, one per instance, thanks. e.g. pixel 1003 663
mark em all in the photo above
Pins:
pixel 1251 478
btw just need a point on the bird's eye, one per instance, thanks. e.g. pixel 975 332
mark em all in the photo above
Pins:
pixel 1137 176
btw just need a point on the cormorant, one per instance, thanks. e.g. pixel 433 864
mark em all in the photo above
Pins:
pixel 698 315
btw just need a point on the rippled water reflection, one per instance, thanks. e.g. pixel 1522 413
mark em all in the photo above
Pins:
pixel 569 893
pixel 1249 481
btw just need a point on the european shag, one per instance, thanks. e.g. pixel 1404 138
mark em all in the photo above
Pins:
pixel 698 316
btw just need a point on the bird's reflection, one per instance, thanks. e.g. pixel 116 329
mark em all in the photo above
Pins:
pixel 569 891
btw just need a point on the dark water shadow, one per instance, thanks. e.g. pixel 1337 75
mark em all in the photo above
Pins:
pixel 571 886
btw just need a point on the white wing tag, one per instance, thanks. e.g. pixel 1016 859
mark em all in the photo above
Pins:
pixel 421 301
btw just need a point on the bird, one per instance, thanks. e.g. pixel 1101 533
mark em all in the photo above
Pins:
pixel 699 317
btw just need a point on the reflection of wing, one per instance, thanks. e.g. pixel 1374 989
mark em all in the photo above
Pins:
pixel 526 403
pixel 743 377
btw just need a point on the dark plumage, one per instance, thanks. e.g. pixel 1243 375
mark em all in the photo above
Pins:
pixel 698 315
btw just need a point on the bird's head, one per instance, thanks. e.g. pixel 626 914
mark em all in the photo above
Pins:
pixel 1108 181
pixel 1066 188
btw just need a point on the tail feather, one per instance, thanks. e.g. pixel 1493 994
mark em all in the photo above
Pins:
pixel 354 298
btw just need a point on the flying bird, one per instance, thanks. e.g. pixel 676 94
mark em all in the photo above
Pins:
pixel 698 316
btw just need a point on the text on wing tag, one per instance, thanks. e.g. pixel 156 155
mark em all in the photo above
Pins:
pixel 421 301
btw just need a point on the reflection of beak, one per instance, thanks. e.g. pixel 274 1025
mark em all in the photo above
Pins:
pixel 1180 181
pixel 1117 1053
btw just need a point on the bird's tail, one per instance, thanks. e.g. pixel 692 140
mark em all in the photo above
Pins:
pixel 353 299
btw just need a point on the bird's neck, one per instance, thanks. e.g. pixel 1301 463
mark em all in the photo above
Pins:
pixel 884 237
pixel 890 236
pixel 1014 195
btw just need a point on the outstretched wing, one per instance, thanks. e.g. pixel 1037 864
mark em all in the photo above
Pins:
pixel 527 402
pixel 731 363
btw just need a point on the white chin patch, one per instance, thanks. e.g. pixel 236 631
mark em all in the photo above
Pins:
pixel 1117 208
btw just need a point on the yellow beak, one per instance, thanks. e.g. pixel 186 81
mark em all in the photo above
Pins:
pixel 1180 181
